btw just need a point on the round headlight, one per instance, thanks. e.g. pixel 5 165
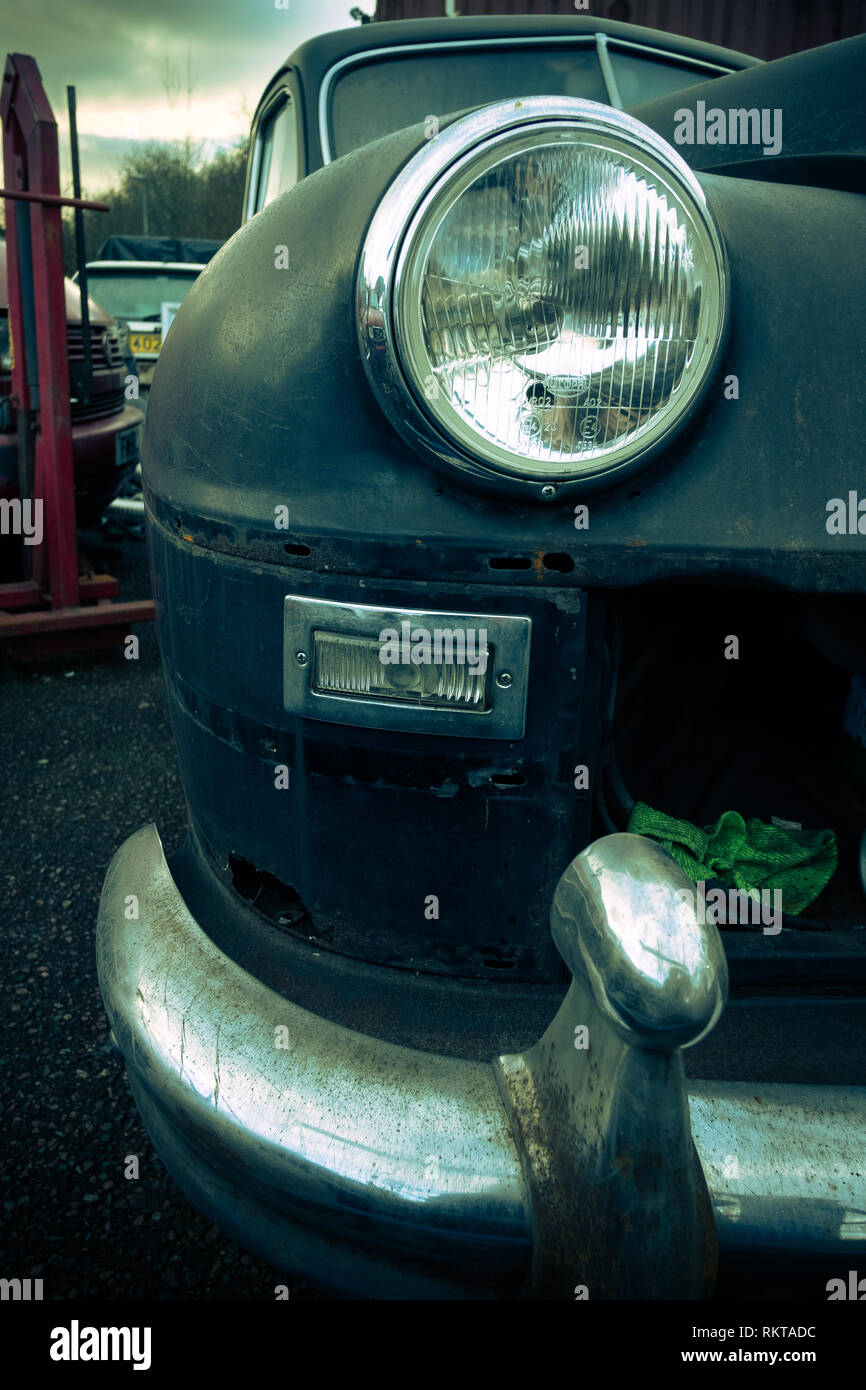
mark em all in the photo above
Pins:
pixel 542 294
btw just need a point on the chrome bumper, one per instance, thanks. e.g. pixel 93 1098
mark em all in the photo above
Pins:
pixel 374 1168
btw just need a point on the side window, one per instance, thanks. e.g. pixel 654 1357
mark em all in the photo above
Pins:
pixel 278 154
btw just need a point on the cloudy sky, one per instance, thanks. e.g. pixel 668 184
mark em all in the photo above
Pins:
pixel 117 55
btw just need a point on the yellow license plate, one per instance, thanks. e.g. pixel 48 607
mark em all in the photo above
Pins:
pixel 140 343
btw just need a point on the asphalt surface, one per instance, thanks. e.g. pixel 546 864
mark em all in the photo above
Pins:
pixel 87 758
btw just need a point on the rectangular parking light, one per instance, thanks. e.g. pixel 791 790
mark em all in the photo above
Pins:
pixel 433 672
pixel 362 666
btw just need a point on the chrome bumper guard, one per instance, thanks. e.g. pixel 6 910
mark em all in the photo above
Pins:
pixel 582 1167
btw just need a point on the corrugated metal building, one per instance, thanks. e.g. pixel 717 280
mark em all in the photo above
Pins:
pixel 764 28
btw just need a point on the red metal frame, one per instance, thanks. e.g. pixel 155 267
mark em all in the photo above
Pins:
pixel 32 176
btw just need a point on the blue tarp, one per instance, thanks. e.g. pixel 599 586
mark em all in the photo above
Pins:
pixel 190 250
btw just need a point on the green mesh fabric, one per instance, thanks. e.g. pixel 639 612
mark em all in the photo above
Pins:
pixel 745 854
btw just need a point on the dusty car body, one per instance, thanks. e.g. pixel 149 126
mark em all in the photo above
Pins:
pixel 106 427
pixel 355 1006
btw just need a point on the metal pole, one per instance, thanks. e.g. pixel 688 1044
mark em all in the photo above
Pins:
pixel 25 416
pixel 142 179
pixel 86 386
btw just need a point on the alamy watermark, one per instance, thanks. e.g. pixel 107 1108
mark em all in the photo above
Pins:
pixel 19 518
pixel 77 1343
pixel 424 646
pixel 735 906
pixel 840 1289
pixel 20 1290
pixel 737 126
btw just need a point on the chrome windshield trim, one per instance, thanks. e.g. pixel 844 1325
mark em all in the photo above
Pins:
pixel 581 40
pixel 255 169
pixel 607 71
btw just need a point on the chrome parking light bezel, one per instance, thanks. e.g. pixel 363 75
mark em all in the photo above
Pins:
pixel 507 637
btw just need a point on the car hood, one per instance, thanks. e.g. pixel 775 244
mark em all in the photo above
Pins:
pixel 819 95
pixel 73 297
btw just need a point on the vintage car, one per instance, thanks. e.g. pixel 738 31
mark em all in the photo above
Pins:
pixel 503 481
pixel 143 281
pixel 106 426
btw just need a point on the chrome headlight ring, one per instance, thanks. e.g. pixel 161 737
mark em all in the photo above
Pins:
pixel 394 277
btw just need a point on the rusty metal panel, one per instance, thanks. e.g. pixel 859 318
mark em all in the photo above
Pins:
pixel 763 28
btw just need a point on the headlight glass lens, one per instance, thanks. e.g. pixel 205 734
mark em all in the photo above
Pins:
pixel 559 301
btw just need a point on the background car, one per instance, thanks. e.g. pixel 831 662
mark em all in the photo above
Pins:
pixel 137 280
pixel 106 426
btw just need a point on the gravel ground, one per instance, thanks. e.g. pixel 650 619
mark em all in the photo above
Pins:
pixel 87 758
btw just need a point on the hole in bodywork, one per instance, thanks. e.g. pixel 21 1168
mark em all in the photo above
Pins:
pixel 563 564
pixel 500 961
pixel 508 779
pixel 279 902
pixel 298 549
pixel 509 562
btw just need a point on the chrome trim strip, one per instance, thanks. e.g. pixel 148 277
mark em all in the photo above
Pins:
pixel 371 54
pixel 281 96
pixel 667 53
pixel 253 181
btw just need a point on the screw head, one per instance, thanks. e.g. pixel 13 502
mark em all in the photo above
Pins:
pixel 548 491
pixel 301 658
pixel 504 679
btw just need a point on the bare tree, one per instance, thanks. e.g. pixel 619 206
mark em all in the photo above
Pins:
pixel 175 84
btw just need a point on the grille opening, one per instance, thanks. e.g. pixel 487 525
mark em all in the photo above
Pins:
pixel 99 407
pixel 771 735
pixel 296 549
pixel 509 562
pixel 105 351
pixel 563 564
pixel 279 902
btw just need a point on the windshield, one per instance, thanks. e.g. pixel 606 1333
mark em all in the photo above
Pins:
pixel 386 94
pixel 141 296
